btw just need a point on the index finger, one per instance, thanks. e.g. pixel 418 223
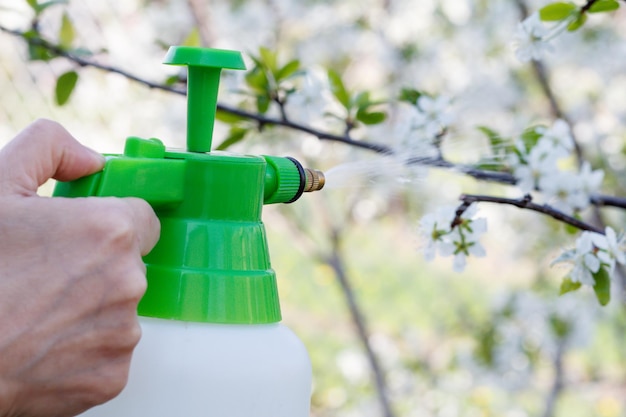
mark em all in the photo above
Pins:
pixel 41 151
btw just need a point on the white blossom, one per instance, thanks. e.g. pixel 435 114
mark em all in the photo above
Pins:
pixel 312 99
pixel 434 227
pixel 465 241
pixel 460 241
pixel 432 115
pixel 403 127
pixel 538 168
pixel 531 39
pixel 589 181
pixel 584 258
pixel 609 248
pixel 563 191
pixel 539 163
pixel 559 135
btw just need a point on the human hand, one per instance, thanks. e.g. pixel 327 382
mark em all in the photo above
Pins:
pixel 71 276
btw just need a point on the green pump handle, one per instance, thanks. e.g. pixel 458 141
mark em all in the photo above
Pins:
pixel 204 70
pixel 211 263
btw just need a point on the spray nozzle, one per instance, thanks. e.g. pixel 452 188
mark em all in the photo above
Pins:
pixel 314 180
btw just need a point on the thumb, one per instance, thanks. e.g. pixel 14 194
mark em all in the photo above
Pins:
pixel 42 151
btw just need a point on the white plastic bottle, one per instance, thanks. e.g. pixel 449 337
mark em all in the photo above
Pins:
pixel 187 369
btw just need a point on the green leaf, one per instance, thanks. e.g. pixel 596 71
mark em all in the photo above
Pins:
pixel 226 117
pixel 269 59
pixel 35 51
pixel 288 70
pixel 39 53
pixel 604 6
pixel 410 95
pixel 236 134
pixel 33 4
pixel 573 230
pixel 557 11
pixel 560 327
pixel 568 286
pixel 193 39
pixel 362 99
pixel 64 87
pixel 530 137
pixel 39 8
pixel 495 139
pixel 487 342
pixel 489 165
pixel 172 79
pixel 602 287
pixel 370 118
pixel 66 32
pixel 84 52
pixel 577 23
pixel 338 89
pixel 262 103
pixel 257 80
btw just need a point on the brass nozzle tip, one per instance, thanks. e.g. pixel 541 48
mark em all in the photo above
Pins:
pixel 314 180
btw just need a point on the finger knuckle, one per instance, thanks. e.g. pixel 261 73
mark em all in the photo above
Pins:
pixel 114 380
pixel 134 287
pixel 133 334
pixel 46 125
pixel 116 226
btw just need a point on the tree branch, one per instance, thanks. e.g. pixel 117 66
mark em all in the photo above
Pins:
pixel 527 204
pixel 541 73
pixel 262 120
pixel 200 12
pixel 335 262
pixel 558 383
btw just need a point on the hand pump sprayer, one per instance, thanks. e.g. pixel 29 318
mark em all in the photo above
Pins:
pixel 212 344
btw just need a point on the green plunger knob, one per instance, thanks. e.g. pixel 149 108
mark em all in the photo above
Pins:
pixel 204 69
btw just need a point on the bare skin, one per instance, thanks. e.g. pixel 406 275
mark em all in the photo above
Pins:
pixel 71 276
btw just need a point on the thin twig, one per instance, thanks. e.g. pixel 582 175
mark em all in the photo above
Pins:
pixel 527 204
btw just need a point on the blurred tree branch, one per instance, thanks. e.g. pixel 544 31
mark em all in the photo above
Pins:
pixel 541 74
pixel 201 15
pixel 558 383
pixel 334 258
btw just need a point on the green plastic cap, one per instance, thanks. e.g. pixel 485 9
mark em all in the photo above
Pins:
pixel 202 57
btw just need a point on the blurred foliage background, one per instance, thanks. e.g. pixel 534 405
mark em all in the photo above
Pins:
pixel 496 340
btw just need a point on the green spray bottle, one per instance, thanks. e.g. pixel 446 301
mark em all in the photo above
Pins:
pixel 212 344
